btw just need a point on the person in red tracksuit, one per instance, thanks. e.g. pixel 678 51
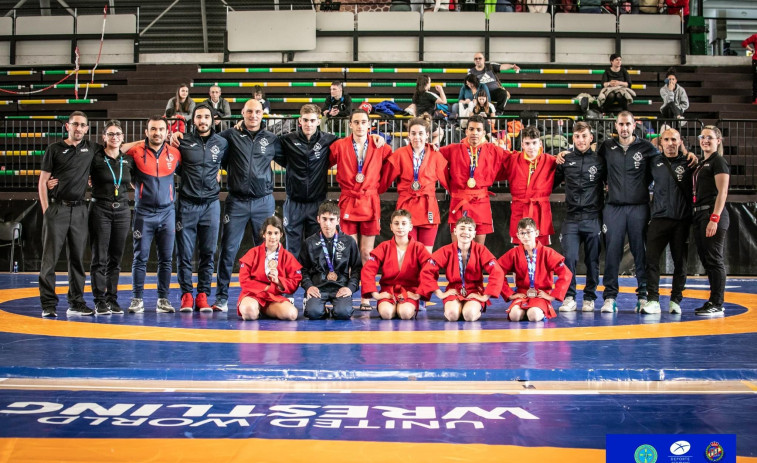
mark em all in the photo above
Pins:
pixel 464 262
pixel 266 273
pixel 531 175
pixel 534 266
pixel 358 161
pixel 400 260
pixel 419 166
pixel 473 167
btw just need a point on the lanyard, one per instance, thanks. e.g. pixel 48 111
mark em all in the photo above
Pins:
pixel 694 178
pixel 326 250
pixel 531 167
pixel 462 265
pixel 417 161
pixel 272 259
pixel 116 183
pixel 359 159
pixel 473 161
pixel 531 266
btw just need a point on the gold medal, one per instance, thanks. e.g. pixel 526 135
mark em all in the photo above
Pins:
pixel 360 178
pixel 272 264
pixel 471 182
pixel 331 276
pixel 416 185
pixel 115 191
pixel 531 292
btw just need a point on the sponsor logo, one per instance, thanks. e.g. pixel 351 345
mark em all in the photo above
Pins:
pixel 680 447
pixel 84 150
pixel 264 142
pixel 593 170
pixel 243 136
pixel 226 218
pixel 604 228
pixel 193 145
pixel 137 234
pixel 659 164
pixel 340 246
pixel 179 226
pixel 714 452
pixel 645 453
pixel 286 221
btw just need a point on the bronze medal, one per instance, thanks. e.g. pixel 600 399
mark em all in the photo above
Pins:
pixel 360 178
pixel 331 276
pixel 416 185
pixel 531 292
pixel 471 182
pixel 463 292
pixel 273 263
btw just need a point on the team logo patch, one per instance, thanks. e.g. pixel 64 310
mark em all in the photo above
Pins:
pixel 714 452
pixel 317 150
pixel 645 454
pixel 226 218
pixel 340 246
pixel 679 172
pixel 137 234
pixel 215 149
pixel 604 228
pixel 637 157
pixel 286 221
pixel 179 226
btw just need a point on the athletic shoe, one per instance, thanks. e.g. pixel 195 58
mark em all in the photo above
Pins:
pixel 675 307
pixel 651 307
pixel 201 303
pixel 568 305
pixel 49 312
pixel 609 306
pixel 137 305
pixel 79 308
pixel 101 308
pixel 588 306
pixel 187 303
pixel 115 309
pixel 584 102
pixel 221 306
pixel 164 306
pixel 640 304
pixel 710 310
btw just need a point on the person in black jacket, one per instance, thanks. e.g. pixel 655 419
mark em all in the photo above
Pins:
pixel 339 103
pixel 197 224
pixel 671 221
pixel 250 182
pixel 585 175
pixel 331 267
pixel 305 155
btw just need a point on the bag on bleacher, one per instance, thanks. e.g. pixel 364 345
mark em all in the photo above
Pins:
pixel 553 144
pixel 388 107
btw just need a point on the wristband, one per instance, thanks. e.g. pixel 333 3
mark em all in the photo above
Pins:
pixel 715 218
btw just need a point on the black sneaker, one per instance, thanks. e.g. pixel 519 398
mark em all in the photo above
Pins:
pixel 101 308
pixel 49 312
pixel 710 310
pixel 584 102
pixel 115 309
pixel 79 308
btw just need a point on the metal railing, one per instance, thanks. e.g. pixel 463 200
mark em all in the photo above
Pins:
pixel 23 141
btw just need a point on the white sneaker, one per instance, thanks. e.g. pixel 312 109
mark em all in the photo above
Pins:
pixel 568 305
pixel 609 306
pixel 588 306
pixel 136 306
pixel 651 307
pixel 164 306
pixel 221 305
pixel 640 304
pixel 675 307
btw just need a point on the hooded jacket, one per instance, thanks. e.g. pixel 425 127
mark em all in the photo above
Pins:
pixel 200 162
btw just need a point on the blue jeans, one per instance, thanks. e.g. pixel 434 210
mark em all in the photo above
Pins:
pixel 149 223
pixel 237 213
pixel 197 224
pixel 573 234
pixel 620 220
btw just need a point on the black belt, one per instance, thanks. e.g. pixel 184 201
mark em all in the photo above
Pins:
pixel 701 208
pixel 67 203
pixel 246 197
pixel 197 201
pixel 113 205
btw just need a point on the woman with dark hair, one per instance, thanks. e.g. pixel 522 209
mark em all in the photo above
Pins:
pixel 674 98
pixel 710 188
pixel 466 96
pixel 266 273
pixel 616 93
pixel 424 100
pixel 181 104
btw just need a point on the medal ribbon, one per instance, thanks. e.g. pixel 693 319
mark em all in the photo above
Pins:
pixel 531 167
pixel 326 250
pixel 473 161
pixel 272 256
pixel 359 159
pixel 694 182
pixel 462 265
pixel 116 183
pixel 531 266
pixel 417 161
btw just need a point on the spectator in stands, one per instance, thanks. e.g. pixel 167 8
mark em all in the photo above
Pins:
pixel 616 93
pixel 711 219
pixel 181 104
pixel 424 100
pixel 465 98
pixel 220 108
pixel 749 44
pixel 487 75
pixel 339 104
pixel 590 6
pixel 674 98
pixel 257 93
pixel 485 109
pixel 677 7
pixel 64 216
pixel 250 181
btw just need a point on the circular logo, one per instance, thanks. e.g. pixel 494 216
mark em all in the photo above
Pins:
pixel 714 452
pixel 645 454
pixel 680 448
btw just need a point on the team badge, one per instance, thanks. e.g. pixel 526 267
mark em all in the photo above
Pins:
pixel 179 226
pixel 317 150
pixel 286 221
pixel 340 246
pixel 679 172
pixel 592 173
pixel 645 454
pixel 604 228
pixel 137 234
pixel 226 218
pixel 714 452
pixel 637 160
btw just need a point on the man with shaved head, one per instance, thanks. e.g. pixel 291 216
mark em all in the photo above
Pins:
pixel 671 221
pixel 250 183
pixel 487 75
